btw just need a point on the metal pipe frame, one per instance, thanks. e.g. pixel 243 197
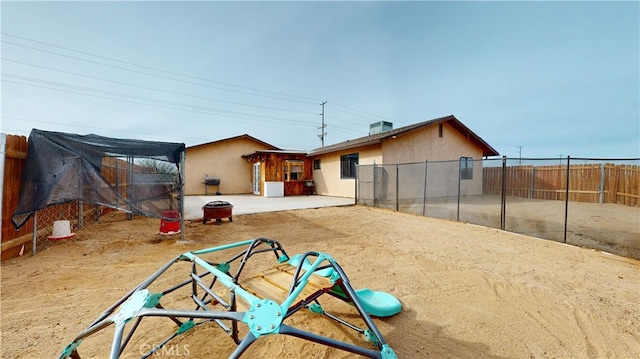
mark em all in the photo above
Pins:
pixel 139 303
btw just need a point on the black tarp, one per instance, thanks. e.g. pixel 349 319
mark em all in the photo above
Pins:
pixel 63 167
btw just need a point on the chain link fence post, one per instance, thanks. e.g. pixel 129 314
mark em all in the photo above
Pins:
pixel 566 199
pixel 503 194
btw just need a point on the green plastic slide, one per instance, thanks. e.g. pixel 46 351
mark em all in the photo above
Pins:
pixel 376 303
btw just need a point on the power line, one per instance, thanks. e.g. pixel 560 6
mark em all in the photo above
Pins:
pixel 361 113
pixel 170 104
pixel 159 76
pixel 176 105
pixel 146 67
pixel 359 125
pixel 89 127
pixel 156 103
pixel 155 89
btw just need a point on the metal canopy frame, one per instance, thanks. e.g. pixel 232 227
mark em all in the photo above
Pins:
pixel 221 298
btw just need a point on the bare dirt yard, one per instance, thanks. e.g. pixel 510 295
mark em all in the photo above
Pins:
pixel 467 291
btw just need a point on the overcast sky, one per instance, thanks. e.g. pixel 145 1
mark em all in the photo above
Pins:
pixel 556 78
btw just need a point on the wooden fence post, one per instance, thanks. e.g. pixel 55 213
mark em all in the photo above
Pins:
pixel 533 176
pixel 602 166
pixel 614 191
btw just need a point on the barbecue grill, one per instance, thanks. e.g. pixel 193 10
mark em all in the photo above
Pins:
pixel 211 181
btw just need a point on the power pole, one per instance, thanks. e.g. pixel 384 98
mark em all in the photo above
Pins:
pixel 322 133
pixel 520 155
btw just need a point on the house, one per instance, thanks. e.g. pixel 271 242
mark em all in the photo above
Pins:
pixel 440 139
pixel 244 164
pixel 222 160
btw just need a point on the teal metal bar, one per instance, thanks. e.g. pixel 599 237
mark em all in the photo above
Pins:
pixel 221 248
pixel 304 280
pixel 263 317
pixel 224 278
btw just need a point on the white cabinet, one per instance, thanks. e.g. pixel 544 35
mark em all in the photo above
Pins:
pixel 274 189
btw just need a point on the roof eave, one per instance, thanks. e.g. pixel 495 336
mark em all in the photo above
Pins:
pixel 236 137
pixel 330 149
pixel 487 150
pixel 279 152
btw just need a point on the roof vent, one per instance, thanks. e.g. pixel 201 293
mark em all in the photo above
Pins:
pixel 380 127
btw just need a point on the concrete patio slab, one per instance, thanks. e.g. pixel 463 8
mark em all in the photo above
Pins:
pixel 247 204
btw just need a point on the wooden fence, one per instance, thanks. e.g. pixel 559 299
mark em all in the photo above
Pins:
pixel 15 154
pixel 13 242
pixel 590 183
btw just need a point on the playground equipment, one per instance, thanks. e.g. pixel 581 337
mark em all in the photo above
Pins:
pixel 262 301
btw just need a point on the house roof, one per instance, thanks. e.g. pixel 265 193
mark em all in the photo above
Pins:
pixel 272 147
pixel 281 152
pixel 487 150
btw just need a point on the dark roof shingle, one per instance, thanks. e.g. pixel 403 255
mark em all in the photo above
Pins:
pixel 487 150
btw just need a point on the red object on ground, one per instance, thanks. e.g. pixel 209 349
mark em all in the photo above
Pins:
pixel 172 225
pixel 217 210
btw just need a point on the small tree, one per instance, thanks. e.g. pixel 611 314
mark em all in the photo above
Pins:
pixel 156 166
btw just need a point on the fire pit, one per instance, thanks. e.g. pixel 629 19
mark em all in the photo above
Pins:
pixel 217 210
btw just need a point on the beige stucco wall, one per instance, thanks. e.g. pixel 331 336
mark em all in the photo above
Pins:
pixel 327 179
pixel 223 160
pixel 417 146
pixel 425 144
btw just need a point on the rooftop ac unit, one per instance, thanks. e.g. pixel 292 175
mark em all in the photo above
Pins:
pixel 380 127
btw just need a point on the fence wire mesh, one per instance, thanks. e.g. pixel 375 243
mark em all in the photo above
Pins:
pixel 148 179
pixel 47 232
pixel 593 203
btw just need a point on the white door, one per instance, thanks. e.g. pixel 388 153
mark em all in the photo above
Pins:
pixel 256 178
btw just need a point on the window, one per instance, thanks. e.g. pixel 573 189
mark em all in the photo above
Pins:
pixel 348 165
pixel 440 130
pixel 316 164
pixel 466 168
pixel 293 170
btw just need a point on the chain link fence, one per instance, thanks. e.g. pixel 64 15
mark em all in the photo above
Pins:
pixel 592 203
pixel 141 185
pixel 54 223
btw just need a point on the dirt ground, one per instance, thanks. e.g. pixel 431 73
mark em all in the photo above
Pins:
pixel 467 291
pixel 613 228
